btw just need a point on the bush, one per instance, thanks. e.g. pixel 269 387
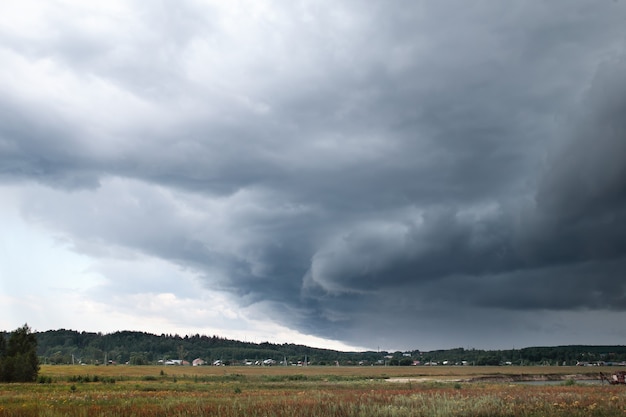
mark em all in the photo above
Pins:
pixel 44 379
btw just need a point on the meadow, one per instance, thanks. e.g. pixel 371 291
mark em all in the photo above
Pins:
pixel 310 391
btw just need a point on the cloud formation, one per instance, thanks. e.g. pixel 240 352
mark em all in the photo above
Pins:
pixel 350 170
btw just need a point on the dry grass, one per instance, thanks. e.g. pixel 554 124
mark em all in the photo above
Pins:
pixel 296 391
pixel 435 372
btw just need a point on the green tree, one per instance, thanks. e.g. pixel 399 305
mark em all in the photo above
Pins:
pixel 3 347
pixel 18 358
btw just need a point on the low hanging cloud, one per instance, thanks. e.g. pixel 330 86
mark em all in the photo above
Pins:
pixel 333 167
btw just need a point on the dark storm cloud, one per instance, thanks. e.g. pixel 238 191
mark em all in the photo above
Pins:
pixel 338 166
pixel 564 250
pixel 583 192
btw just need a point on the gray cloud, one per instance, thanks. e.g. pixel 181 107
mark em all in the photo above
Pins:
pixel 337 166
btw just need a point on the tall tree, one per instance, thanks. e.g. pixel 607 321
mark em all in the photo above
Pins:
pixel 19 362
pixel 3 345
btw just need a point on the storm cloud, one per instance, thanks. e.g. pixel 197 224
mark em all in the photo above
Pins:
pixel 425 173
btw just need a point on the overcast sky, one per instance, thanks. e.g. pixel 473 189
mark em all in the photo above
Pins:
pixel 345 174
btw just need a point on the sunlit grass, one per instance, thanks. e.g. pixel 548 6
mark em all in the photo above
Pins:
pixel 441 372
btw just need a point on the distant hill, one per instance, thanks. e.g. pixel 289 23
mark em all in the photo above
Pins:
pixel 139 348
pixel 60 346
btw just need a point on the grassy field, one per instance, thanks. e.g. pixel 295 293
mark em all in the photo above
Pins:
pixel 309 391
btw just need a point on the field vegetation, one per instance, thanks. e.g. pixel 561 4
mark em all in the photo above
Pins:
pixel 309 391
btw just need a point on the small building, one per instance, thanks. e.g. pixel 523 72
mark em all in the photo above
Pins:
pixel 198 362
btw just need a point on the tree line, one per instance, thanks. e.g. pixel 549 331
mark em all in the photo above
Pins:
pixel 139 348
pixel 548 355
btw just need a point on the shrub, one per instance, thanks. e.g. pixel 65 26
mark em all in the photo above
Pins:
pixel 44 379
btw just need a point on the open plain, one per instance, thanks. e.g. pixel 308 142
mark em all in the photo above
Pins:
pixel 311 391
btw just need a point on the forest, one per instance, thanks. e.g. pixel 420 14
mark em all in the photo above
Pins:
pixel 139 348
